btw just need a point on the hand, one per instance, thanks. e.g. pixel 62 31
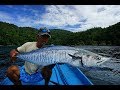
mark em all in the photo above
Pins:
pixel 13 54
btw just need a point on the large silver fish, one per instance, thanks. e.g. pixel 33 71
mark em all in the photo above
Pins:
pixel 62 54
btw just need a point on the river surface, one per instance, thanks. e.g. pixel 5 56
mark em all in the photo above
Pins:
pixel 97 76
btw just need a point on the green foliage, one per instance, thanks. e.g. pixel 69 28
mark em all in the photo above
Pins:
pixel 13 35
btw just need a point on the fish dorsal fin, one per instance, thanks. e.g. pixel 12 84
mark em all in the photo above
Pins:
pixel 75 57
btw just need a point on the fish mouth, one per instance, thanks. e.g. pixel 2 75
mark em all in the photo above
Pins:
pixel 104 59
pixel 99 61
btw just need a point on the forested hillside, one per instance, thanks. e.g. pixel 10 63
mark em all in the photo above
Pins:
pixel 13 35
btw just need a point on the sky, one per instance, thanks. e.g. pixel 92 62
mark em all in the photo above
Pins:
pixel 74 18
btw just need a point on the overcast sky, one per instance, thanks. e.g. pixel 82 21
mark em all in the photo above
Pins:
pixel 69 17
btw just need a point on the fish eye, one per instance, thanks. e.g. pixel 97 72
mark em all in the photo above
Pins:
pixel 98 58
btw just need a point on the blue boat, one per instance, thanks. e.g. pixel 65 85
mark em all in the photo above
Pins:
pixel 64 74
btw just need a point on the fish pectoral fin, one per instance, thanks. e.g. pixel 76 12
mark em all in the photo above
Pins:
pixel 75 57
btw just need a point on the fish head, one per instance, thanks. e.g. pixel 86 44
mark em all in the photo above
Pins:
pixel 102 60
pixel 93 60
pixel 88 60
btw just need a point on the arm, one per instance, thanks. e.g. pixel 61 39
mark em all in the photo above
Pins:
pixel 20 49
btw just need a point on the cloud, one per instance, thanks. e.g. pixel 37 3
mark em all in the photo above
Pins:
pixel 5 17
pixel 88 16
pixel 21 16
pixel 59 16
pixel 70 17
pixel 9 6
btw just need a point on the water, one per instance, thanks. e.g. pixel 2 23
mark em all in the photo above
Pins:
pixel 105 77
pixel 97 76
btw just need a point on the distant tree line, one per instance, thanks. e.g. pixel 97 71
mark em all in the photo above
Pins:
pixel 11 34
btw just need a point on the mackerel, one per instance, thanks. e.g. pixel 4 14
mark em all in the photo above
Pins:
pixel 63 54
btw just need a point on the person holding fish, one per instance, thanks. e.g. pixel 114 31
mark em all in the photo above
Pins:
pixel 30 72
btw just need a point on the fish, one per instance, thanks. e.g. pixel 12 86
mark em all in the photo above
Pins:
pixel 62 54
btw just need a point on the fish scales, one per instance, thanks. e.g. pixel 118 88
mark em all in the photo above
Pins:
pixel 62 54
